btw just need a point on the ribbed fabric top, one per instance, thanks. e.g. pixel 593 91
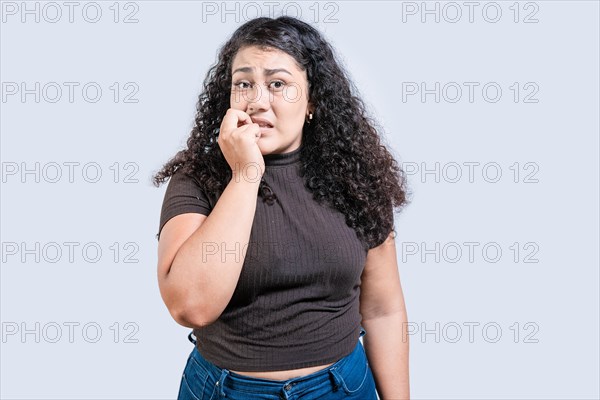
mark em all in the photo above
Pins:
pixel 282 158
pixel 296 303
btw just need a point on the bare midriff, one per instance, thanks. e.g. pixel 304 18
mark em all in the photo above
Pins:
pixel 285 374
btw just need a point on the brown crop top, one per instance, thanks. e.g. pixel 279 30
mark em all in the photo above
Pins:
pixel 296 303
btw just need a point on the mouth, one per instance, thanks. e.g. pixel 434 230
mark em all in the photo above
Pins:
pixel 263 123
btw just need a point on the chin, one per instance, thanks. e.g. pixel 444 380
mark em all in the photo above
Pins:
pixel 264 146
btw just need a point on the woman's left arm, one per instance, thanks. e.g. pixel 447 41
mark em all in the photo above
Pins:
pixel 384 318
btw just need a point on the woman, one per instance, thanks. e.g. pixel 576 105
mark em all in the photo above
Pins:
pixel 278 291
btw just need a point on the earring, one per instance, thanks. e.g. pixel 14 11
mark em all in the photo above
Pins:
pixel 310 115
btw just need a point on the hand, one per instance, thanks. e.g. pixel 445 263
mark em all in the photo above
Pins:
pixel 238 140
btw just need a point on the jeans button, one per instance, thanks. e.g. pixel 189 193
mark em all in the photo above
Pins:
pixel 287 386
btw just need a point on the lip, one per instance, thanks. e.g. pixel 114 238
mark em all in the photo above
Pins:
pixel 262 121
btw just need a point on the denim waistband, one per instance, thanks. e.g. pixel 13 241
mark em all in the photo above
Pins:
pixel 283 388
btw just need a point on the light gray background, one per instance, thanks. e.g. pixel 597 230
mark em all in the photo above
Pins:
pixel 167 54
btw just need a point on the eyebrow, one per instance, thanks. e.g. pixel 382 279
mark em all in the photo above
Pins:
pixel 268 72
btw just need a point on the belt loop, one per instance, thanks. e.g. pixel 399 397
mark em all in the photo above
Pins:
pixel 362 331
pixel 221 380
pixel 190 337
pixel 337 382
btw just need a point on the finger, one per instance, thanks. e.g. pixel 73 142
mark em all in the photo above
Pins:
pixel 232 119
pixel 243 118
pixel 229 120
pixel 250 128
pixel 255 129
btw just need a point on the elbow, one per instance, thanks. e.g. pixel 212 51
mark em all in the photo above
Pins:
pixel 184 311
pixel 191 317
pixel 191 312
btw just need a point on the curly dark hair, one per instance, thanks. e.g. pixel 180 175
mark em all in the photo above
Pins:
pixel 343 162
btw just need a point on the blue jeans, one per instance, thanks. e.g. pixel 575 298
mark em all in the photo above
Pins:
pixel 348 378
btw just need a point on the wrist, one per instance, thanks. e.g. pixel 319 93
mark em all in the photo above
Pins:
pixel 245 179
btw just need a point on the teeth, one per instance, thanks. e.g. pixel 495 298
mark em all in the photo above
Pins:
pixel 264 124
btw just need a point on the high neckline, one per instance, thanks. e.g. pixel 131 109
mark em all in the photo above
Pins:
pixel 291 157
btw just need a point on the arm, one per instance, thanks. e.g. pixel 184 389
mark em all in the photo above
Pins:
pixel 201 257
pixel 384 318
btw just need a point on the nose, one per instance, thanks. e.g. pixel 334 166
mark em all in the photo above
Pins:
pixel 258 99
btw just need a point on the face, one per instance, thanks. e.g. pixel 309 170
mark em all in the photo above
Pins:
pixel 269 85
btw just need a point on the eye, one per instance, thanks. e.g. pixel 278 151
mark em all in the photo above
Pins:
pixel 282 84
pixel 236 85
